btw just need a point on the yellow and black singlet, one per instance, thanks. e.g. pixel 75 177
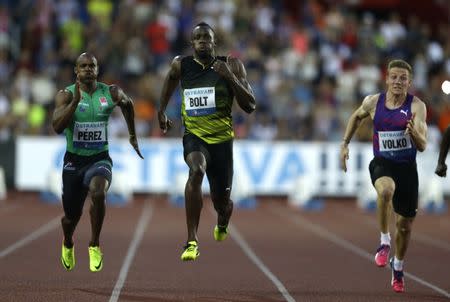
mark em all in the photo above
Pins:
pixel 207 101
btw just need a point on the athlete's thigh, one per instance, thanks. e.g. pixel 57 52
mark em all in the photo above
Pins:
pixel 406 196
pixel 220 171
pixel 98 174
pixel 380 171
pixel 191 144
pixel 74 192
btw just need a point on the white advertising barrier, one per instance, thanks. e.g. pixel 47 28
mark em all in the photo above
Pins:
pixel 267 167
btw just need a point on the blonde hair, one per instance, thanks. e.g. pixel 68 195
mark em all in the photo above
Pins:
pixel 400 64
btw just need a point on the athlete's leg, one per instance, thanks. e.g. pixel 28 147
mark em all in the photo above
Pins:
pixel 385 187
pixel 196 162
pixel 223 206
pixel 403 234
pixel 220 177
pixel 97 188
pixel 68 226
pixel 74 195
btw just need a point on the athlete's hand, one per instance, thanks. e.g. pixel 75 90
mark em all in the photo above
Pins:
pixel 134 143
pixel 77 92
pixel 441 170
pixel 344 156
pixel 410 126
pixel 223 69
pixel 164 122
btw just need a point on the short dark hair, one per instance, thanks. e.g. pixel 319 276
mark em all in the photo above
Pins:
pixel 206 25
pixel 400 64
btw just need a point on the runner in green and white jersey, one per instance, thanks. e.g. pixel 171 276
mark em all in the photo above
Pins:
pixel 209 85
pixel 82 112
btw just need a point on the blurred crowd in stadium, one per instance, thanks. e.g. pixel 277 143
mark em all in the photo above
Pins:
pixel 310 62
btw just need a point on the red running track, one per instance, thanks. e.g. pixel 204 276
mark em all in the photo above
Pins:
pixel 274 253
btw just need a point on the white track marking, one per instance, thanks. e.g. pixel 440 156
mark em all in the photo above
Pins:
pixel 255 259
pixel 137 238
pixel 325 234
pixel 242 243
pixel 416 236
pixel 53 224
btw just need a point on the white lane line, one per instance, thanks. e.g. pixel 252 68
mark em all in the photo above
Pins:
pixel 430 241
pixel 54 223
pixel 416 236
pixel 234 233
pixel 324 233
pixel 137 238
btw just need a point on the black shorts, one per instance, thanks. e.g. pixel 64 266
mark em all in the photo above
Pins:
pixel 406 180
pixel 219 162
pixel 77 174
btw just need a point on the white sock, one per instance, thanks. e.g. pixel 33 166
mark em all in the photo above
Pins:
pixel 398 264
pixel 385 238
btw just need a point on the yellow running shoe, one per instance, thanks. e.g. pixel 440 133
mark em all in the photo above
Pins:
pixel 220 233
pixel 190 251
pixel 68 257
pixel 95 259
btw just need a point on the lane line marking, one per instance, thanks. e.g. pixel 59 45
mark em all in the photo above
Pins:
pixel 242 243
pixel 137 238
pixel 255 259
pixel 324 233
pixel 52 224
pixel 416 236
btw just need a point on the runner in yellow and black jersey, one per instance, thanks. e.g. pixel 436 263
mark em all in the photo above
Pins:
pixel 209 85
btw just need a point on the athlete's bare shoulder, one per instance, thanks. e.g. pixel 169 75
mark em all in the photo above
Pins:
pixel 175 67
pixel 369 103
pixel 417 101
pixel 236 65
pixel 418 106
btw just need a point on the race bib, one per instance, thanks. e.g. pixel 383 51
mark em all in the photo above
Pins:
pixel 200 101
pixel 394 140
pixel 90 135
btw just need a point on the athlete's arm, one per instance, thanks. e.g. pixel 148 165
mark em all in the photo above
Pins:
pixel 236 75
pixel 367 106
pixel 170 83
pixel 417 125
pixel 65 106
pixel 127 107
pixel 441 168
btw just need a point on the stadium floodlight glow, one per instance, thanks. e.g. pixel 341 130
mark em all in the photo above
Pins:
pixel 446 87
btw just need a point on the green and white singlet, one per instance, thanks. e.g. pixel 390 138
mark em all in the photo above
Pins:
pixel 207 101
pixel 87 133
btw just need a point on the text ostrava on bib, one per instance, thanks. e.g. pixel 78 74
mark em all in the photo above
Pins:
pixel 394 140
pixel 200 101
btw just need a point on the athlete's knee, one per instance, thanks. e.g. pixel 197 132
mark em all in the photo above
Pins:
pixel 404 226
pixel 98 194
pixel 196 172
pixel 71 218
pixel 386 194
pixel 223 204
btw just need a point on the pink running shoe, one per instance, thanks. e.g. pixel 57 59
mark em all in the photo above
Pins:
pixel 382 255
pixel 397 281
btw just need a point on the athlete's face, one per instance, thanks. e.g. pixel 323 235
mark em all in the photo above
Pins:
pixel 203 42
pixel 86 68
pixel 398 81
